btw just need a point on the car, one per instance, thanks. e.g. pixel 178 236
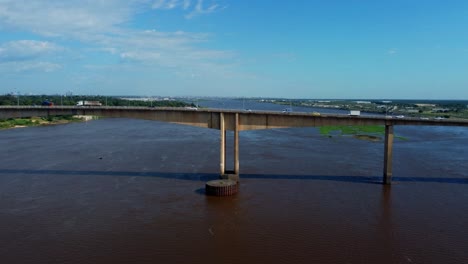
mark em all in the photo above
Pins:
pixel 287 110
pixel 439 118
pixel 424 118
pixel 400 116
pixel 248 110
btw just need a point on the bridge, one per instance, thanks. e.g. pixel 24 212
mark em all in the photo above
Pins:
pixel 235 120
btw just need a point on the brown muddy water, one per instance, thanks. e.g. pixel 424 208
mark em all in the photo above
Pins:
pixel 131 191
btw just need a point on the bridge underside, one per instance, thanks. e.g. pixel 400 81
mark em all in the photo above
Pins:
pixel 236 121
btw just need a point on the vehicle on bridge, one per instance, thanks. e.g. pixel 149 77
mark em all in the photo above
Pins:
pixel 191 108
pixel 88 103
pixel 47 103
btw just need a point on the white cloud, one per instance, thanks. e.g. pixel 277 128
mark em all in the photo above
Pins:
pixel 186 4
pixel 29 66
pixel 26 50
pixel 140 56
pixel 63 18
pixel 392 51
pixel 199 6
pixel 176 49
pixel 161 4
pixel 171 4
pixel 99 27
pixel 29 56
pixel 201 9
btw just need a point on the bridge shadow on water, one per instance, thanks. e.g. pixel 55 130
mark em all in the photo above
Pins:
pixel 214 176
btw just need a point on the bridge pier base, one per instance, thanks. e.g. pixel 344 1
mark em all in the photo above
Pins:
pixel 388 151
pixel 229 174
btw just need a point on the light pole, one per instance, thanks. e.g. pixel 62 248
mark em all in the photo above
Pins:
pixel 17 97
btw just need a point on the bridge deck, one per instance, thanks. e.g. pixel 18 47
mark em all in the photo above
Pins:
pixel 210 118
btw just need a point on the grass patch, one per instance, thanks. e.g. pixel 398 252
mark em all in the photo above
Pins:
pixel 9 123
pixel 370 133
pixel 352 130
pixel 36 121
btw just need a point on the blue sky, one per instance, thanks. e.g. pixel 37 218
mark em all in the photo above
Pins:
pixel 396 49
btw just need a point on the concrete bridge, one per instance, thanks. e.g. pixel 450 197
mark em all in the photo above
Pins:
pixel 235 120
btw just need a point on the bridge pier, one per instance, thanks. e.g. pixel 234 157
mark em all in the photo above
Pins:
pixel 222 151
pixel 227 174
pixel 236 145
pixel 388 151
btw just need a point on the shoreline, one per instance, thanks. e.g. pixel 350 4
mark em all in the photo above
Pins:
pixel 43 121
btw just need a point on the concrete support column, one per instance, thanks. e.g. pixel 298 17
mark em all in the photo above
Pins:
pixel 225 149
pixel 236 145
pixel 387 174
pixel 222 158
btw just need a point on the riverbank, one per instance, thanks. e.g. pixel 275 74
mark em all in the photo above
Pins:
pixel 42 121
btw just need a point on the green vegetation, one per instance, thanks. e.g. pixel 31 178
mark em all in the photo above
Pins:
pixel 371 133
pixel 72 100
pixel 9 123
pixel 37 121
pixel 352 130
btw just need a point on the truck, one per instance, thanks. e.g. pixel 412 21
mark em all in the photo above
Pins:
pixel 88 103
pixel 354 113
pixel 47 103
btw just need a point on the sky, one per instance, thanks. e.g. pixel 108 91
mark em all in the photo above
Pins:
pixel 399 49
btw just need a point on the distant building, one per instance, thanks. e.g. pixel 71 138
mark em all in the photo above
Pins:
pixel 363 102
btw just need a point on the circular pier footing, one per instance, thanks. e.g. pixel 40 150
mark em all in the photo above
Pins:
pixel 222 187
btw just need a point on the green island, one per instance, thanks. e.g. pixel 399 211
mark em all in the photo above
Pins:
pixel 370 133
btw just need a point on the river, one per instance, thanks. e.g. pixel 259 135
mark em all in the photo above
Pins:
pixel 132 191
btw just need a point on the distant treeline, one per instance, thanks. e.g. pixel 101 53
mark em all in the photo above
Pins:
pixel 73 100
